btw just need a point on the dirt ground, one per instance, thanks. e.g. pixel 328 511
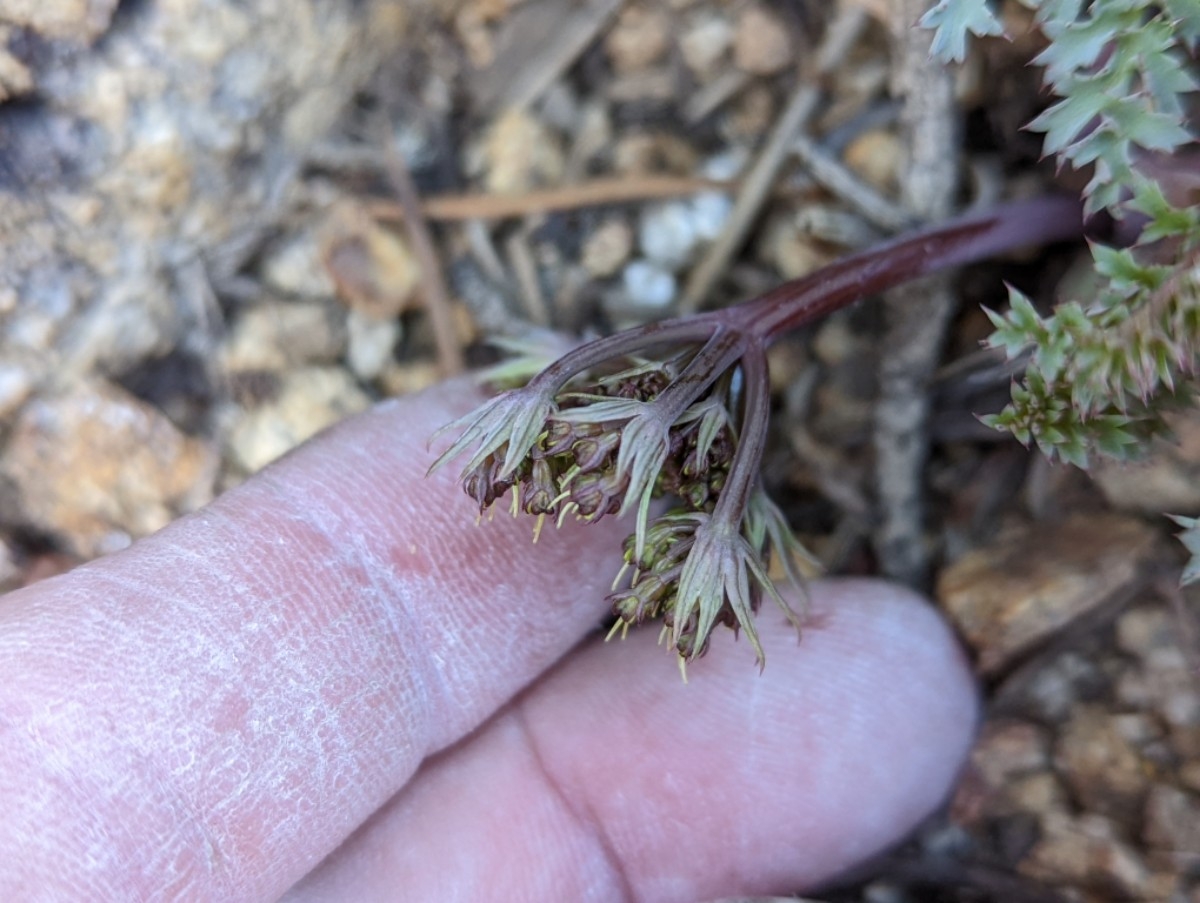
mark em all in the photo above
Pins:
pixel 225 227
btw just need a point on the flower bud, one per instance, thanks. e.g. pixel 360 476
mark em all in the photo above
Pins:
pixel 591 453
pixel 539 490
pixel 483 485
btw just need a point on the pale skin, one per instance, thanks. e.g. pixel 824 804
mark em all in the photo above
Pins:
pixel 333 685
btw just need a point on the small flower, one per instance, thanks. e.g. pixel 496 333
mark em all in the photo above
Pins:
pixel 505 429
pixel 645 445
pixel 722 580
pixel 767 530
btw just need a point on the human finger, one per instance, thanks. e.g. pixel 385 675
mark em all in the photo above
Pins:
pixel 612 780
pixel 207 714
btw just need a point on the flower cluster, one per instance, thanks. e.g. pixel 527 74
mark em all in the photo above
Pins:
pixel 679 410
pixel 611 439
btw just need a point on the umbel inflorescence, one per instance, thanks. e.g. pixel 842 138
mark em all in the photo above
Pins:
pixel 679 410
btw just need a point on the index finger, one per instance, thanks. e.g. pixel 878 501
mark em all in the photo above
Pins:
pixel 212 711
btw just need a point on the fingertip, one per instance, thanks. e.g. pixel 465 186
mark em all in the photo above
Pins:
pixel 614 779
pixel 844 743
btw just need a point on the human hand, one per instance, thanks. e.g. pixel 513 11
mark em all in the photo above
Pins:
pixel 333 672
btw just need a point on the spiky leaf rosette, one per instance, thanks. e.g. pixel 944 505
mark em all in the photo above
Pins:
pixel 1103 371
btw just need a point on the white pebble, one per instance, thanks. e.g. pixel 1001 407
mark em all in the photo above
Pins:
pixel 710 210
pixel 726 165
pixel 648 285
pixel 667 234
pixel 370 344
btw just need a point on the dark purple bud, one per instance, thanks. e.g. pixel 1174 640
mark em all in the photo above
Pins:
pixel 539 491
pixel 593 452
pixel 482 484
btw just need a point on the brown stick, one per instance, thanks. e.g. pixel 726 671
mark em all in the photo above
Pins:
pixel 917 315
pixel 434 291
pixel 593 193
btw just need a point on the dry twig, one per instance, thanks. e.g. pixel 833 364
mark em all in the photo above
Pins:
pixel 917 315
pixel 762 175
pixel 433 285
pixel 830 174
pixel 593 193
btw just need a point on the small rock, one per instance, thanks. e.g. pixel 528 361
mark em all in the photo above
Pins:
pixel 308 400
pixel 1006 749
pixel 1172 819
pixel 1039 792
pixel 835 341
pixel 518 153
pixel 16 78
pixel 607 248
pixel 728 164
pixel 296 269
pixel 667 234
pixel 749 115
pixel 277 335
pixel 762 43
pixel 654 152
pixel 648 285
pixel 710 211
pixel 98 467
pixel 792 252
pixel 1165 682
pixel 76 21
pixel 875 156
pixel 639 38
pixel 1015 593
pixel 372 268
pixel 370 344
pixel 16 382
pixel 1086 851
pixel 1143 629
pixel 405 377
pixel 1059 684
pixel 1101 763
pixel 837 226
pixel 787 362
pixel 705 44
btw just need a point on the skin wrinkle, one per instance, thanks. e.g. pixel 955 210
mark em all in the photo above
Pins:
pixel 582 815
pixel 117 745
pixel 65 761
pixel 661 766
pixel 389 597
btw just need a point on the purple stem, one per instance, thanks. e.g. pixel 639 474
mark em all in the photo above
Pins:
pixel 687 330
pixel 953 243
pixel 752 439
pixel 719 353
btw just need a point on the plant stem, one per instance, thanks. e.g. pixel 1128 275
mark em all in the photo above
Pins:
pixel 959 241
pixel 756 415
pixel 682 330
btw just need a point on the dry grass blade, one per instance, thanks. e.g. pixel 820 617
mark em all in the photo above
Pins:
pixel 593 193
